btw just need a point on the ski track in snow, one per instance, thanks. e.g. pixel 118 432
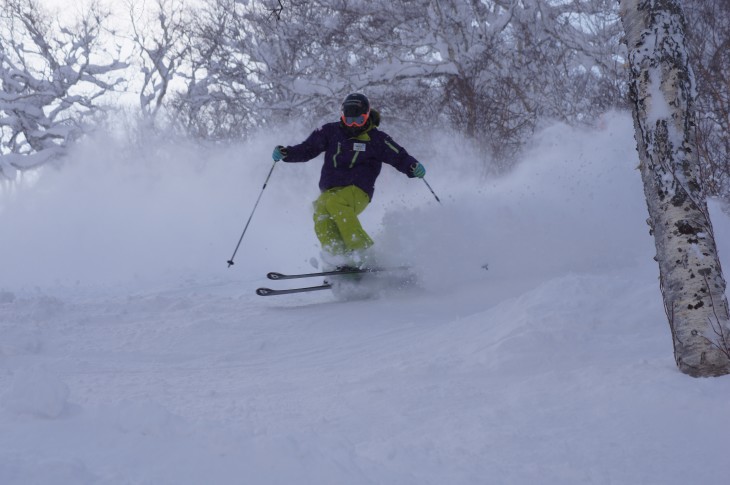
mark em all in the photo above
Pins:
pixel 553 367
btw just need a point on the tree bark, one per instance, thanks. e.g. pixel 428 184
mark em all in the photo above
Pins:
pixel 662 93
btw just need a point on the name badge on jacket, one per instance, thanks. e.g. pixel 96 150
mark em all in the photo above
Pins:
pixel 358 147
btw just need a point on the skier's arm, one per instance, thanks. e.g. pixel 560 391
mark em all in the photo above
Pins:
pixel 398 157
pixel 315 144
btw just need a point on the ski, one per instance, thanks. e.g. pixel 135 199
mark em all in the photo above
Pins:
pixel 326 286
pixel 280 276
pixel 270 292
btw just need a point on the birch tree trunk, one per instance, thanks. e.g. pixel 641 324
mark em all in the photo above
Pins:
pixel 662 94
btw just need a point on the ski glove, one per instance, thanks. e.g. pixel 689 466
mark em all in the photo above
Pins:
pixel 418 170
pixel 280 153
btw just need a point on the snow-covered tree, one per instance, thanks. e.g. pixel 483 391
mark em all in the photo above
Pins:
pixel 490 69
pixel 662 92
pixel 160 37
pixel 709 44
pixel 578 65
pixel 51 78
pixel 216 102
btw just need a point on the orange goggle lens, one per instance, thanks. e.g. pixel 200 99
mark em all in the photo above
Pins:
pixel 357 121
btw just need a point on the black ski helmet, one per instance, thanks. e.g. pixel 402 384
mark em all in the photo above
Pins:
pixel 355 104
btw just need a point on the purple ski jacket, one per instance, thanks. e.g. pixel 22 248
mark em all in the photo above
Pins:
pixel 351 160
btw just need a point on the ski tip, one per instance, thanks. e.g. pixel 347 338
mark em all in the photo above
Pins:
pixel 264 291
pixel 274 275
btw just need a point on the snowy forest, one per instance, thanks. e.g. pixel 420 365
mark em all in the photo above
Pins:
pixel 491 71
pixel 563 286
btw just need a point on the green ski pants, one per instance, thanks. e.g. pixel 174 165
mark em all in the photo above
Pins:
pixel 335 220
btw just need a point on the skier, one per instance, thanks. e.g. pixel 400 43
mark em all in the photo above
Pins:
pixel 354 151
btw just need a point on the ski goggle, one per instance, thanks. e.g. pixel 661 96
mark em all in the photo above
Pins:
pixel 357 121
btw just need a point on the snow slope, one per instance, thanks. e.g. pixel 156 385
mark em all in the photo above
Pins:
pixel 130 354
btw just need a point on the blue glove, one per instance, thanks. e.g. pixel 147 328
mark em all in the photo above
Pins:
pixel 280 153
pixel 418 170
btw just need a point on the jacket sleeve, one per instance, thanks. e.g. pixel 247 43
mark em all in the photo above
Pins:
pixel 397 156
pixel 315 144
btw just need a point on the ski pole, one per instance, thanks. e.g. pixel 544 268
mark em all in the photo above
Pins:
pixel 429 188
pixel 230 261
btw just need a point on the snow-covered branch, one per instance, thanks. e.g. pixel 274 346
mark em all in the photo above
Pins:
pixel 161 42
pixel 50 76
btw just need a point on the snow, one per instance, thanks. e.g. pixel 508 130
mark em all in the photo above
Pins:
pixel 658 108
pixel 131 354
